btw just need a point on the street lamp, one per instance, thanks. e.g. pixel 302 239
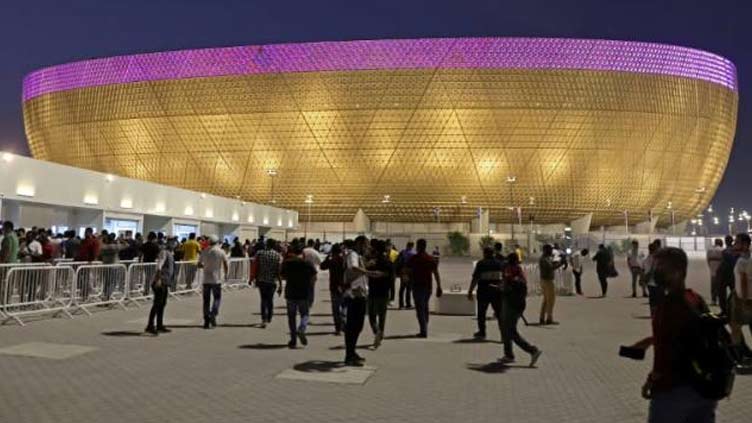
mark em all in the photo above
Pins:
pixel 309 202
pixel 386 201
pixel 272 174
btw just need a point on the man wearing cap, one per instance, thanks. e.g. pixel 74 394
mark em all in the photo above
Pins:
pixel 214 264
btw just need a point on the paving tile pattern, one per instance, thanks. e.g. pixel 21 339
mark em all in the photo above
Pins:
pixel 232 373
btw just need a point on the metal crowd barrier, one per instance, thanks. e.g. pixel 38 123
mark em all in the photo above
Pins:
pixel 187 278
pixel 139 278
pixel 563 282
pixel 76 264
pixel 238 273
pixel 29 290
pixel 100 285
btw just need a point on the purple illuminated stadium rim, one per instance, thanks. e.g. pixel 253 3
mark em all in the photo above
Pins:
pixel 430 53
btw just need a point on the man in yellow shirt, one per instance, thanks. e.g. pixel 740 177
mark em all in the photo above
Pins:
pixel 191 249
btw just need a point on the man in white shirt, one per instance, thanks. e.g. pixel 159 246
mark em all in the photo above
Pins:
pixel 214 263
pixel 576 262
pixel 634 261
pixel 35 249
pixel 714 257
pixel 741 303
pixel 312 257
pixel 356 294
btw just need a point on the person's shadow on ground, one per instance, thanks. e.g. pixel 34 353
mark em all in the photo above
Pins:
pixel 261 346
pixel 318 366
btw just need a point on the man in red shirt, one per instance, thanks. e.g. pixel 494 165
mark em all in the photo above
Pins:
pixel 89 250
pixel 423 268
pixel 668 387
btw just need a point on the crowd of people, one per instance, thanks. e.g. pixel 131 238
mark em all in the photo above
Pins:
pixel 363 277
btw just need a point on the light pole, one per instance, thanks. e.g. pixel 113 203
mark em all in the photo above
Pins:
pixel 386 201
pixel 309 202
pixel 272 174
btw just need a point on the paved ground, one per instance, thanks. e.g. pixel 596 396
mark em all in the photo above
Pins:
pixel 106 371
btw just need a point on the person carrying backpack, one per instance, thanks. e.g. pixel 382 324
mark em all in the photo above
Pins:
pixel 514 293
pixel 692 366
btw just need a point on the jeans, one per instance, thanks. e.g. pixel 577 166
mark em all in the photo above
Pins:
pixel 512 313
pixel 636 273
pixel 356 313
pixel 337 310
pixel 295 307
pixel 681 404
pixel 404 292
pixel 211 290
pixel 604 283
pixel 377 313
pixel 577 281
pixel 311 292
pixel 714 289
pixel 158 306
pixel 488 296
pixel 266 290
pixel 549 299
pixel 421 296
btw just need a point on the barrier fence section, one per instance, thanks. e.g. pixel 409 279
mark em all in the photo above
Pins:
pixel 139 278
pixel 76 264
pixel 187 278
pixel 238 273
pixel 99 285
pixel 30 290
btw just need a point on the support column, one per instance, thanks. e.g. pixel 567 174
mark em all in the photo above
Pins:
pixel 679 229
pixel 479 224
pixel 581 226
pixel 647 227
pixel 362 222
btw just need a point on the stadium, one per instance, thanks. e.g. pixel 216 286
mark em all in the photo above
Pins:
pixel 406 130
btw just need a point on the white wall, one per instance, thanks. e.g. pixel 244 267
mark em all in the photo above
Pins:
pixel 38 193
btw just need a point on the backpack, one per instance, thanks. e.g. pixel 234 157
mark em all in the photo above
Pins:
pixel 710 363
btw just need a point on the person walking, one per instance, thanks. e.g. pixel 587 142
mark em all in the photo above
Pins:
pixel 514 293
pixel 356 293
pixel 576 260
pixel 634 262
pixel 9 248
pixel 673 398
pixel 603 261
pixel 297 274
pixel 268 275
pixel 487 276
pixel 380 276
pixel 725 274
pixel 547 268
pixel 214 263
pixel 160 286
pixel 405 288
pixel 714 256
pixel 312 257
pixel 423 269
pixel 335 264
pixel 740 307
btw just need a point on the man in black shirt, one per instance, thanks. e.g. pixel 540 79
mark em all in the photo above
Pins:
pixel 298 275
pixel 150 249
pixel 487 276
pixel 381 274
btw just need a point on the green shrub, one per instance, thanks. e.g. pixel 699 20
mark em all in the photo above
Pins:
pixel 486 241
pixel 459 244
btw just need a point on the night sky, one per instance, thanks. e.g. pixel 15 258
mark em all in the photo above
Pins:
pixel 40 33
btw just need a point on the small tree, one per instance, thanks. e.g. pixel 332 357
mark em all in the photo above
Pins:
pixel 486 241
pixel 459 244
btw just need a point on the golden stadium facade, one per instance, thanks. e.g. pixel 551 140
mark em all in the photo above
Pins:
pixel 554 128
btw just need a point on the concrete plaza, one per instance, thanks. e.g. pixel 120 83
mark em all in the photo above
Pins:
pixel 100 368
